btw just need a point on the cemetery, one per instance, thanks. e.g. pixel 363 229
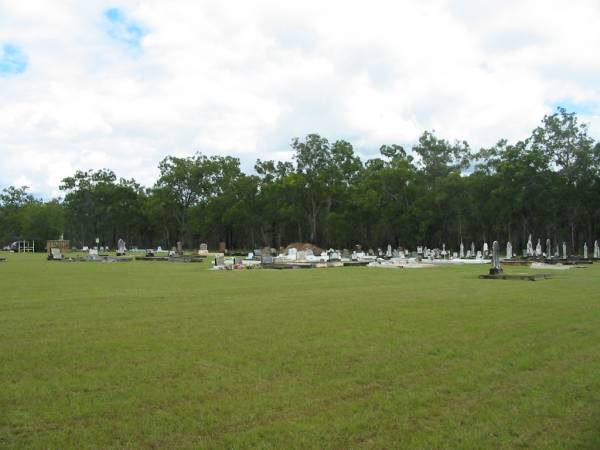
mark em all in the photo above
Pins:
pixel 299 225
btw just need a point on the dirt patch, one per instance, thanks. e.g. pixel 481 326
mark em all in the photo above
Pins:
pixel 303 246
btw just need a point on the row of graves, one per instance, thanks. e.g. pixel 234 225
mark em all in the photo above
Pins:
pixel 297 256
pixel 176 254
pixel 303 256
pixel 57 252
pixel 551 257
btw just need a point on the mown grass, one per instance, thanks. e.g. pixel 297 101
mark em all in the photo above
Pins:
pixel 168 355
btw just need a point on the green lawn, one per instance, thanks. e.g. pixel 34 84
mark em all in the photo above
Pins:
pixel 169 355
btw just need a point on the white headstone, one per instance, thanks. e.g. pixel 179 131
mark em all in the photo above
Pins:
pixel 462 250
pixel 509 253
pixel 538 248
pixel 564 246
pixel 585 250
pixel 529 247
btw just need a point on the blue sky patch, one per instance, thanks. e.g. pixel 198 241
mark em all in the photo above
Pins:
pixel 12 60
pixel 123 29
pixel 585 108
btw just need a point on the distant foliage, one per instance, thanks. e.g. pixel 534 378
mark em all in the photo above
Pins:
pixel 438 192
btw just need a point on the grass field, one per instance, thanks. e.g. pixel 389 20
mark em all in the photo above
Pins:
pixel 167 355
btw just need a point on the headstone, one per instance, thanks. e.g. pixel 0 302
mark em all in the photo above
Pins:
pixel 222 247
pixel 479 255
pixel 388 252
pixel 529 247
pixel 267 260
pixel 346 254
pixel 472 248
pixel 538 248
pixel 509 253
pixel 179 248
pixel 419 250
pixel 556 251
pixel 548 248
pixel 203 250
pixel 496 268
pixel 444 252
pixel 462 250
pixel 585 250
pixel 301 256
pixel 468 253
pixel 564 248
pixel 371 252
pixel 596 249
pixel 292 253
pixel 219 260
pixel 455 255
pixel 121 247
pixel 333 255
pixel 486 249
pixel 258 252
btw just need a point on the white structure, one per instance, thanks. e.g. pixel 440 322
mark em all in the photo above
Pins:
pixel 26 246
pixel 529 251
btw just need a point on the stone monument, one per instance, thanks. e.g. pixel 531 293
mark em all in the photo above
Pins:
pixel 509 253
pixel 121 249
pixel 529 247
pixel 496 268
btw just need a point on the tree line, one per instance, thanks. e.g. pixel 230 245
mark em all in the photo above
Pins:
pixel 547 185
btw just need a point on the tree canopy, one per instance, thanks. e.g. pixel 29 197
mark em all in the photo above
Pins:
pixel 437 192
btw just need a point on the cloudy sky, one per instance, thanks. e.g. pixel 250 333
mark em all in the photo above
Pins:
pixel 92 84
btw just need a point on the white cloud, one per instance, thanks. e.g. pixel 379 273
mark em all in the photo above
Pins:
pixel 243 78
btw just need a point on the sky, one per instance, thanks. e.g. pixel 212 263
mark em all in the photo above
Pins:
pixel 97 84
